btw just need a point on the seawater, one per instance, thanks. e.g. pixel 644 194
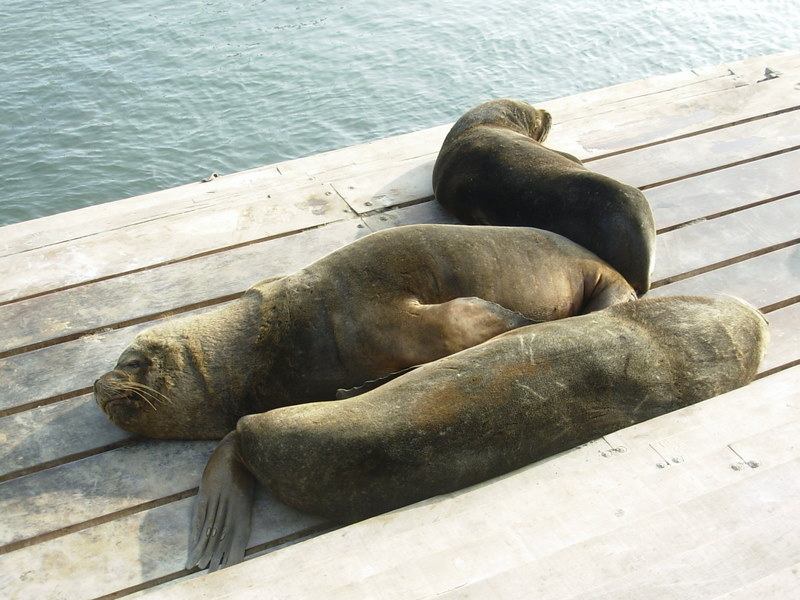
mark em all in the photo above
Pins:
pixel 101 100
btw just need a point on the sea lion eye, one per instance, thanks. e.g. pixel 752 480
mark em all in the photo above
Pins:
pixel 136 364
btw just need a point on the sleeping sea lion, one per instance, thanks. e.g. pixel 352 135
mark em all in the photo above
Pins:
pixel 515 399
pixel 492 169
pixel 394 299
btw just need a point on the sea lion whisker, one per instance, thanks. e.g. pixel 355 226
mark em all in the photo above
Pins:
pixel 145 392
pixel 154 395
pixel 144 398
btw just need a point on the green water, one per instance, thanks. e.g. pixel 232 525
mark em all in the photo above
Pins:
pixel 101 101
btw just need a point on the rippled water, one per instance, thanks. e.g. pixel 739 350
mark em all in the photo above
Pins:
pixel 101 101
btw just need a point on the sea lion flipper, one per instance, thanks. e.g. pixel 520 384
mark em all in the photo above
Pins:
pixel 471 321
pixel 221 523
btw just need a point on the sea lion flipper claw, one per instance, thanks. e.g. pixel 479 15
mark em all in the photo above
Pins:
pixel 221 522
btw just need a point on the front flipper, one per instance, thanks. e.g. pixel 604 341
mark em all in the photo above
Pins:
pixel 465 322
pixel 221 523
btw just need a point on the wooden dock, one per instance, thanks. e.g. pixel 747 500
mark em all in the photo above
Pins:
pixel 702 503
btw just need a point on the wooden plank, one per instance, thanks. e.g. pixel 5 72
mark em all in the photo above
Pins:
pixel 763 280
pixel 668 554
pixel 394 183
pixel 39 375
pixel 730 558
pixel 372 155
pixel 154 291
pixel 768 448
pixel 696 431
pixel 475 572
pixel 751 70
pixel 640 120
pixel 100 485
pixel 696 153
pixel 398 181
pixel 677 203
pixel 784 345
pixel 782 583
pixel 730 188
pixel 55 433
pixel 718 240
pixel 105 561
pixel 426 212
pixel 642 552
pixel 127 552
pixel 72 225
pixel 143 245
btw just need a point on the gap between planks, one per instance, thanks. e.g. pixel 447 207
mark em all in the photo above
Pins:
pixel 683 136
pixel 173 261
pixel 272 545
pixel 727 212
pixel 723 263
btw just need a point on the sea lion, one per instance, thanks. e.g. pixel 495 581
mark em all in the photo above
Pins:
pixel 493 170
pixel 515 399
pixel 394 299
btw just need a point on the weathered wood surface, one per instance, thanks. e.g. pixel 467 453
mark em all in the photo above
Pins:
pixel 598 521
pixel 90 511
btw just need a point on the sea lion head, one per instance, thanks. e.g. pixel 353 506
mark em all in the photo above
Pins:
pixel 515 115
pixel 162 387
pixel 527 119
